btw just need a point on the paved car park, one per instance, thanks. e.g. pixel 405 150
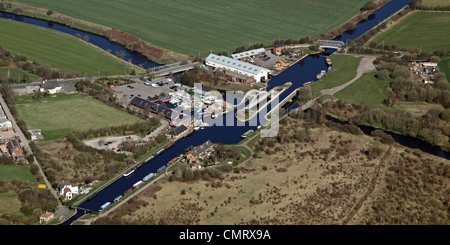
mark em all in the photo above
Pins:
pixel 126 93
pixel 269 62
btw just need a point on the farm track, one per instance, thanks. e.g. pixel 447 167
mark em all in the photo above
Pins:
pixel 373 184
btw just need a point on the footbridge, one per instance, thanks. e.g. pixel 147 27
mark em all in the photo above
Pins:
pixel 329 44
pixel 172 68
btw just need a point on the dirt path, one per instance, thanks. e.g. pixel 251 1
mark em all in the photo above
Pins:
pixel 372 185
pixel 365 65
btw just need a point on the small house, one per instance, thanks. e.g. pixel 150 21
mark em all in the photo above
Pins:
pixel 201 152
pixel 46 217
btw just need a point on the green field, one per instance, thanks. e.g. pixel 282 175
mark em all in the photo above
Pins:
pixel 344 70
pixel 197 26
pixel 58 50
pixel 58 116
pixel 444 66
pixel 22 173
pixel 367 90
pixel 16 73
pixel 428 31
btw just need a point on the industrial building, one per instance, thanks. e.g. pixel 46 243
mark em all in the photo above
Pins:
pixel 236 70
pixel 248 56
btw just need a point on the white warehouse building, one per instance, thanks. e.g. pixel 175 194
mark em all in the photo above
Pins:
pixel 237 70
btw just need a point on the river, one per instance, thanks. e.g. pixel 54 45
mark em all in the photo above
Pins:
pixel 300 73
pixel 97 40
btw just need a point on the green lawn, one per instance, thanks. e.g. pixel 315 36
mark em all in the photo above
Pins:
pixel 58 116
pixel 22 173
pixel 344 70
pixel 367 90
pixel 428 31
pixel 17 74
pixel 196 26
pixel 444 66
pixel 58 50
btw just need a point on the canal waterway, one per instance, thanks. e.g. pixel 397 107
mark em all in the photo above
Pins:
pixel 97 40
pixel 300 73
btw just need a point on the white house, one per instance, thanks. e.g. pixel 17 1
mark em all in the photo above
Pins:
pixel 237 68
pixel 52 87
pixel 68 190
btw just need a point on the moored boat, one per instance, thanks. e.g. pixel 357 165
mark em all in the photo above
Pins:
pixel 169 145
pixel 148 177
pixel 244 135
pixel 161 168
pixel 130 172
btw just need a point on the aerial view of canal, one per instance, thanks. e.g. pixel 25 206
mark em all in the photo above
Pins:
pixel 94 39
pixel 302 72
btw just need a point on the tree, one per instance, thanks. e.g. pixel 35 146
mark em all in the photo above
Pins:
pixel 383 74
pixel 389 101
pixel 304 94
pixel 369 6
pixel 5 4
pixel 349 26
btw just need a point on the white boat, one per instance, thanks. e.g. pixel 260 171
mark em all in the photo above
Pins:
pixel 244 135
pixel 321 74
pixel 196 128
pixel 137 183
pixel 128 173
pixel 117 198
pixel 105 206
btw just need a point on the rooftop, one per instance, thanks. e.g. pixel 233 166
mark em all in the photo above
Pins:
pixel 236 64
pixel 248 53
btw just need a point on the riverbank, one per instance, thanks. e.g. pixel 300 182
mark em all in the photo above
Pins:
pixel 163 56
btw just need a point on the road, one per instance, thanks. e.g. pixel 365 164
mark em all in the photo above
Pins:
pixel 61 210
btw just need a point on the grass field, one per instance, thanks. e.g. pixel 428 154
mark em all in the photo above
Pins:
pixel 444 66
pixel 197 26
pixel 16 73
pixel 428 31
pixel 58 50
pixel 367 90
pixel 344 70
pixel 22 173
pixel 435 3
pixel 10 203
pixel 58 116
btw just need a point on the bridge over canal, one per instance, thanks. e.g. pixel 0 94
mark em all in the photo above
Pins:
pixel 172 68
pixel 329 44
